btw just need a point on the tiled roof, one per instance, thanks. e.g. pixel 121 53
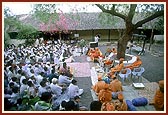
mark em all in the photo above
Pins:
pixel 87 21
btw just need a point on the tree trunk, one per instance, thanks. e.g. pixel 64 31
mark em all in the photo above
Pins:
pixel 122 45
pixel 151 39
pixel 122 42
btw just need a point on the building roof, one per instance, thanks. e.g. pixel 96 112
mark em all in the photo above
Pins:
pixel 87 21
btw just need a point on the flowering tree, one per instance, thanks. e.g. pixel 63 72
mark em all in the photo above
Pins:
pixel 53 19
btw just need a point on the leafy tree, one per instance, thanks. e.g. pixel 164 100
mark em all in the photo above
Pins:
pixel 159 25
pixel 12 24
pixel 127 12
pixel 9 22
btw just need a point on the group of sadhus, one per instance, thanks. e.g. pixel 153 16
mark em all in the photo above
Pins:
pixel 94 54
pixel 107 91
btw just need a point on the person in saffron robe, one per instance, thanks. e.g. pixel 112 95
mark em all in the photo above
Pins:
pixel 95 55
pixel 99 85
pixel 108 106
pixel 136 64
pixel 158 101
pixel 108 62
pixel 121 104
pixel 105 94
pixel 115 85
pixel 118 67
pixel 91 50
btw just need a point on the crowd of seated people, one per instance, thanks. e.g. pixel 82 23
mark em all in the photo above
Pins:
pixel 38 71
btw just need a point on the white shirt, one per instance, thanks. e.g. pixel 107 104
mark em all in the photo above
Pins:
pixel 14 98
pixel 31 91
pixel 64 79
pixel 38 78
pixel 23 88
pixel 73 90
pixel 56 60
pixel 96 39
pixel 56 89
pixel 41 90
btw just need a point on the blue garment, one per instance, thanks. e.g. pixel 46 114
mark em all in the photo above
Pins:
pixel 131 107
pixel 142 101
pixel 106 80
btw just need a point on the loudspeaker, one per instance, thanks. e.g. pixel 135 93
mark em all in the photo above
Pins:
pixel 93 44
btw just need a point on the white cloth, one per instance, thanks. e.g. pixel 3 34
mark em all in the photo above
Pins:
pixel 37 42
pixel 56 89
pixel 44 59
pixel 56 60
pixel 73 90
pixel 14 98
pixel 38 78
pixel 22 77
pixel 31 91
pixel 64 80
pixel 41 90
pixel 23 88
pixel 96 38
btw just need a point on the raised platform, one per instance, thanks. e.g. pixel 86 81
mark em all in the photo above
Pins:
pixel 133 59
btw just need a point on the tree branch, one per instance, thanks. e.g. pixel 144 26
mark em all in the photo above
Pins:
pixel 155 15
pixel 132 11
pixel 112 11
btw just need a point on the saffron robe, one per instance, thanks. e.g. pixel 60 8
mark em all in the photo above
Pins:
pixel 98 86
pixel 159 100
pixel 105 95
pixel 115 86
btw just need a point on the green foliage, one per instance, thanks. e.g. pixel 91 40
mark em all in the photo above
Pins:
pixel 159 42
pixel 82 43
pixel 127 13
pixel 159 25
pixel 107 19
pixel 27 32
pixel 28 103
pixel 122 8
pixel 149 9
pixel 45 12
pixel 6 39
pixel 9 22
pixel 29 42
pixel 12 24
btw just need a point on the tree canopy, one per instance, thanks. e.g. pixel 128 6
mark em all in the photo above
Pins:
pixel 127 13
pixel 53 19
pixel 12 23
